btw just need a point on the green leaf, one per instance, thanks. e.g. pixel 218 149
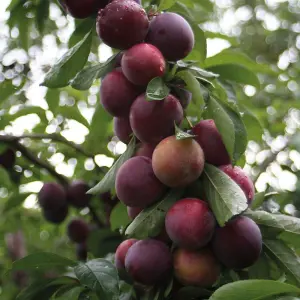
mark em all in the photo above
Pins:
pixel 42 14
pixel 230 56
pixel 27 110
pixel 197 71
pixel 225 197
pixel 7 89
pixel 100 276
pixel 182 135
pixel 253 290
pixel 108 180
pixel 216 35
pixel 285 257
pixel 119 216
pixel 69 64
pixel 165 4
pixel 14 200
pixel 157 89
pixel 150 221
pixel 236 73
pixel 72 112
pixel 41 261
pixel 52 98
pixel 261 268
pixel 193 86
pixel 260 198
pixel 85 78
pixel 4 178
pixel 71 294
pixel 199 51
pixel 230 126
pixel 81 30
pixel 100 130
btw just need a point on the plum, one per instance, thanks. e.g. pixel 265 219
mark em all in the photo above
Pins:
pixel 190 223
pixel 52 196
pixel 172 35
pixel 148 262
pixel 133 212
pixel 122 24
pixel 136 184
pixel 78 230
pixel 177 163
pixel 121 253
pixel 238 244
pixel 122 129
pixel 241 178
pixel 143 62
pixel 82 9
pixel 77 194
pixel 8 158
pixel 145 150
pixel 196 268
pixel 57 215
pixel 81 251
pixel 117 93
pixel 152 121
pixel 209 138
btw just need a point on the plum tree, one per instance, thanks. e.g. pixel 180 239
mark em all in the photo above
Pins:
pixel 81 251
pixel 152 121
pixel 241 178
pixel 121 253
pixel 52 196
pixel 209 138
pixel 82 9
pixel 145 150
pixel 196 268
pixel 8 158
pixel 122 24
pixel 177 162
pixel 148 261
pixel 172 35
pixel 78 230
pixel 117 101
pixel 190 223
pixel 56 215
pixel 136 184
pixel 122 129
pixel 143 62
pixel 238 244
pixel 133 212
pixel 76 194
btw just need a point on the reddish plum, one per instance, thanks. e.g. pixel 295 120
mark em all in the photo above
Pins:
pixel 121 253
pixel 78 230
pixel 52 196
pixel 145 150
pixel 133 212
pixel 8 158
pixel 77 194
pixel 122 129
pixel 57 215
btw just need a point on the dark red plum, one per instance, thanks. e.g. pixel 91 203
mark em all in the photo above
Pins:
pixel 81 251
pixel 145 150
pixel 56 216
pixel 133 212
pixel 196 268
pixel 238 244
pixel 77 194
pixel 209 138
pixel 122 24
pixel 184 96
pixel 117 93
pixel 78 230
pixel 149 262
pixel 8 158
pixel 121 253
pixel 52 196
pixel 190 223
pixel 143 62
pixel 172 35
pixel 177 163
pixel 152 121
pixel 82 9
pixel 136 184
pixel 122 129
pixel 241 178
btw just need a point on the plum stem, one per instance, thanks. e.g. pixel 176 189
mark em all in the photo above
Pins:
pixel 189 122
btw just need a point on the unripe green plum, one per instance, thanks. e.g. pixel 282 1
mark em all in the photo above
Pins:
pixel 149 262
pixel 238 244
pixel 177 163
pixel 136 184
pixel 196 268
pixel 52 196
pixel 78 230
pixel 190 223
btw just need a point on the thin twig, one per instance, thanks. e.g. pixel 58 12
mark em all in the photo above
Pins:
pixel 95 216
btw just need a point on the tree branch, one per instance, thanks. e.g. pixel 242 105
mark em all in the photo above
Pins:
pixel 95 216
